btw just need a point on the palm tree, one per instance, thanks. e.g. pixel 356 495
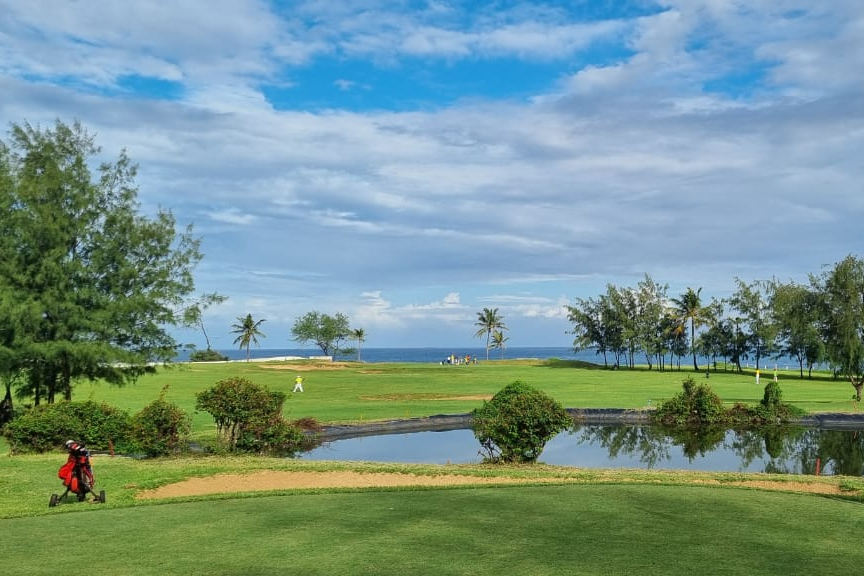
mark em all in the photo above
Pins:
pixel 247 330
pixel 488 321
pixel 689 308
pixel 498 341
pixel 358 334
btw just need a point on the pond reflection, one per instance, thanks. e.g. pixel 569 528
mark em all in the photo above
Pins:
pixel 774 450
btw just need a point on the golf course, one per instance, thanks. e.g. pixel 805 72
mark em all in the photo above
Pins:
pixel 226 514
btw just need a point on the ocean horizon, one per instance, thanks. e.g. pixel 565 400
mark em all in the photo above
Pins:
pixel 425 355
pixel 437 355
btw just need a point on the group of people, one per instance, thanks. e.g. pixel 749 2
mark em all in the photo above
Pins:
pixel 453 359
pixel 757 375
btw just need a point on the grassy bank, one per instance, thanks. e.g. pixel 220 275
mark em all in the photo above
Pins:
pixel 590 522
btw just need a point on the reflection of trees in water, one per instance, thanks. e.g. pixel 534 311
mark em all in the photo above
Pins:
pixel 697 441
pixel 647 443
pixel 786 450
pixel 651 444
pixel 839 452
pixel 780 444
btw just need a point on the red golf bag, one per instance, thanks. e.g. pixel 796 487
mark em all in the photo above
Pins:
pixel 77 475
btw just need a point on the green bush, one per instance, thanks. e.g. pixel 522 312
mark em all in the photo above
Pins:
pixel 698 405
pixel 207 356
pixel 270 435
pixel 695 405
pixel 161 428
pixel 46 427
pixel 516 424
pixel 772 409
pixel 249 417
pixel 773 396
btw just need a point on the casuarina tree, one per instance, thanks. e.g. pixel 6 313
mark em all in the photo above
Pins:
pixel 88 285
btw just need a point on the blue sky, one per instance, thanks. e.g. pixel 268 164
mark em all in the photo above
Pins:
pixel 410 163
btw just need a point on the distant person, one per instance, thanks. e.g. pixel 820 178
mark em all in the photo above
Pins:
pixel 775 373
pixel 298 384
pixel 757 377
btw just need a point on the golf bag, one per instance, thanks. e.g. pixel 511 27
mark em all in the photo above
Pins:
pixel 77 475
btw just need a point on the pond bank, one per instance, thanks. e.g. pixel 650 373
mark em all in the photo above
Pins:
pixel 611 416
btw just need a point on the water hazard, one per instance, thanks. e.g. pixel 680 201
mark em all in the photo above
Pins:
pixel 786 451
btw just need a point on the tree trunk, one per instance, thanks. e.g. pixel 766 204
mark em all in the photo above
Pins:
pixel 66 383
pixel 693 344
pixel 6 407
pixel 857 383
pixel 206 338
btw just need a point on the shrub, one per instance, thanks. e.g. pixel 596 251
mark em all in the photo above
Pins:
pixel 695 405
pixel 772 409
pixel 161 428
pixel 249 417
pixel 516 424
pixel 270 434
pixel 46 427
pixel 698 405
pixel 207 356
pixel 773 396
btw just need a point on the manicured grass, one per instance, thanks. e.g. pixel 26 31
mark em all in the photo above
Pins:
pixel 353 392
pixel 611 522
pixel 356 392
pixel 539 530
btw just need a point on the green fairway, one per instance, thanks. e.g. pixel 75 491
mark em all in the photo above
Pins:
pixel 353 392
pixel 540 530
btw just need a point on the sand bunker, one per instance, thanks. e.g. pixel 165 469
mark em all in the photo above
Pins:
pixel 284 480
pixel 268 480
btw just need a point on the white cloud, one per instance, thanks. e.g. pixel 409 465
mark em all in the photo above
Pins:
pixel 232 216
pixel 627 165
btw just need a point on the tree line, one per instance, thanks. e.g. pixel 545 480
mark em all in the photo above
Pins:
pixel 821 321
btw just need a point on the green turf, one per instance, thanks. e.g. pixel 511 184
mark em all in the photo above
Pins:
pixel 585 529
pixel 361 392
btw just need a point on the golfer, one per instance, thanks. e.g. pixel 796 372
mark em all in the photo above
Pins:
pixel 298 384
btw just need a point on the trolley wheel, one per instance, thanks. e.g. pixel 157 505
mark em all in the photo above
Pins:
pixel 53 501
pixel 101 497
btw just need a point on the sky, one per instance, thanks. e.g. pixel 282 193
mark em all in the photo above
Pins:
pixel 409 163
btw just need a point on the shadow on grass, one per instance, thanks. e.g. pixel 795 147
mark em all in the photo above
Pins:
pixel 558 363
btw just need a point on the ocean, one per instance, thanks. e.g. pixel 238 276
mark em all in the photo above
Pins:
pixel 436 355
pixel 431 355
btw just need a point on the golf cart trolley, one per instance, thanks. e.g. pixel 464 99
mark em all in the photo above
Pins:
pixel 77 475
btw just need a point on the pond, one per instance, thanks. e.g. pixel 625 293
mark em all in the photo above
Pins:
pixel 786 451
